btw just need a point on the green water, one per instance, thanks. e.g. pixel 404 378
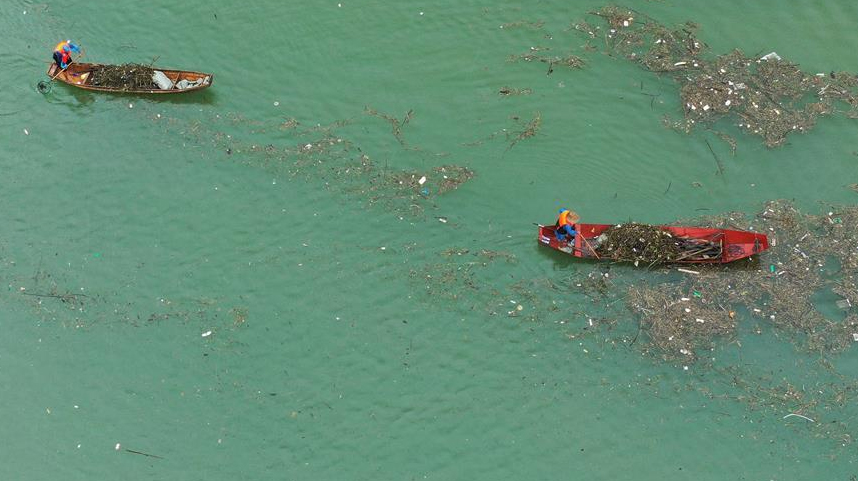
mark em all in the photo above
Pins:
pixel 331 355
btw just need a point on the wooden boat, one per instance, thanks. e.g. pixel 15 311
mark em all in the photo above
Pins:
pixel 78 75
pixel 734 244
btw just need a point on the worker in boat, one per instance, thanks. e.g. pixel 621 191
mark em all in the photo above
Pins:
pixel 62 53
pixel 565 225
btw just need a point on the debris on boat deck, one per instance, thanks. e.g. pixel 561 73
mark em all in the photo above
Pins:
pixel 129 76
pixel 642 243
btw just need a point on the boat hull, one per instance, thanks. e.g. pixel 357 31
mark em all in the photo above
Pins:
pixel 735 244
pixel 77 75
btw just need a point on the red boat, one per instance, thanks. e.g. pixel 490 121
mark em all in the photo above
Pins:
pixel 729 245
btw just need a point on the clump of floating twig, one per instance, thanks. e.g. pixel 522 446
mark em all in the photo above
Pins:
pixel 396 125
pixel 571 61
pixel 530 129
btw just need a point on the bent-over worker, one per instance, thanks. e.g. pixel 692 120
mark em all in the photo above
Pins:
pixel 62 53
pixel 565 225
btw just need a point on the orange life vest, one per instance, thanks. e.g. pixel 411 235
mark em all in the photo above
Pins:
pixel 59 47
pixel 562 220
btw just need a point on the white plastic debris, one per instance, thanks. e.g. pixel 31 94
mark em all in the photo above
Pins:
pixel 422 180
pixel 26 132
pixel 276 104
pixel 117 446
pixel 855 336
pixel 771 56
pixel 207 334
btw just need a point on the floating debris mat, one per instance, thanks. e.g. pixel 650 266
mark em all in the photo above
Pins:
pixel 765 95
pixel 650 244
pixel 129 76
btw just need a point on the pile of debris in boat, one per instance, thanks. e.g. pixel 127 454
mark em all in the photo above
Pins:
pixel 129 76
pixel 769 96
pixel 642 243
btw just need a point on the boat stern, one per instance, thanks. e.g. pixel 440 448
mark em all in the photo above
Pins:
pixel 740 245
pixel 547 237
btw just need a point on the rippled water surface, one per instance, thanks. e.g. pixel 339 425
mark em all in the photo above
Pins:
pixel 181 301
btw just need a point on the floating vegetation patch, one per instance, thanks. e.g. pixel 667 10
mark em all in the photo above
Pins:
pixel 535 55
pixel 320 152
pixel 414 186
pixel 458 278
pixel 129 76
pixel 54 302
pixel 521 131
pixel 764 95
pixel 509 91
pixel 523 24
pixel 396 125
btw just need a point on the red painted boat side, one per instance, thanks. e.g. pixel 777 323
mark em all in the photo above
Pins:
pixel 735 244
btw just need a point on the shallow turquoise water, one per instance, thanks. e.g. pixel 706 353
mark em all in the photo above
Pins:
pixel 331 355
